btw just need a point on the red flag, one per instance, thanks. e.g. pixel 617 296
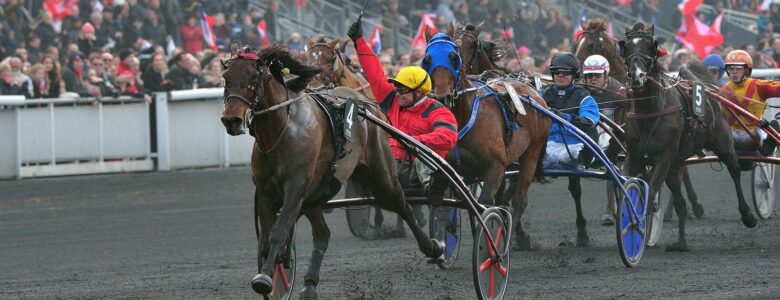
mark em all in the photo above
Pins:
pixel 427 21
pixel 624 2
pixel 58 8
pixel 263 34
pixel 696 36
pixel 688 7
pixel 301 3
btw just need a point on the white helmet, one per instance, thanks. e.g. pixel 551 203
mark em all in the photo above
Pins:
pixel 595 64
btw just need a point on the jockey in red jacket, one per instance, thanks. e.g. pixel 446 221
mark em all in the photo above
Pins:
pixel 404 99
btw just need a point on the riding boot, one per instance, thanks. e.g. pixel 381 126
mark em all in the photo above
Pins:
pixel 769 144
pixel 436 188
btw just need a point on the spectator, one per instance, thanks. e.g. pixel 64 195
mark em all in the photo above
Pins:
pixel 46 32
pixel 481 12
pixel 108 86
pixel 222 30
pixel 34 50
pixel 213 73
pixel 21 53
pixel 41 84
pixel 126 76
pixel 295 43
pixel 54 74
pixel 394 22
pixel 462 13
pixel 153 76
pixel 102 35
pixel 72 75
pixel 192 36
pixel 153 30
pixel 87 40
pixel 270 17
pixel 18 79
pixel 554 29
pixel 180 76
pixel 444 9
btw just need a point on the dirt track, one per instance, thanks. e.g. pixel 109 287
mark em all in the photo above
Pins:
pixel 189 235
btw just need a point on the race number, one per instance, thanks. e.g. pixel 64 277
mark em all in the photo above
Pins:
pixel 349 119
pixel 698 100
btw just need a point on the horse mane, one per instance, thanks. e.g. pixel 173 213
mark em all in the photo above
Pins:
pixel 597 24
pixel 694 71
pixel 278 57
pixel 321 39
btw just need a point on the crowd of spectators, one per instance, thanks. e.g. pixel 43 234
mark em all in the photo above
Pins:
pixel 107 48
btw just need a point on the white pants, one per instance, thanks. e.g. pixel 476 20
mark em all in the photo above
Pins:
pixel 562 155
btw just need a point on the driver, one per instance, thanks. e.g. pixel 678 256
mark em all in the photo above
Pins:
pixel 750 94
pixel 404 99
pixel 574 104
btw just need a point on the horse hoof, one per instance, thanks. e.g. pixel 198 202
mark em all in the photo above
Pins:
pixel 698 211
pixel 749 220
pixel 583 241
pixel 523 243
pixel 261 284
pixel 677 247
pixel 309 292
pixel 438 250
pixel 607 220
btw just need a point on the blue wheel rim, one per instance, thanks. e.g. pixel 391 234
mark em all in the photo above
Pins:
pixel 633 239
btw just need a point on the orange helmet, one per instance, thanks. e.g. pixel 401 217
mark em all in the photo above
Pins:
pixel 739 57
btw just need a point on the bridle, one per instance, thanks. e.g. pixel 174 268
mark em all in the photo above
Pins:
pixel 596 47
pixel 646 61
pixel 331 80
pixel 477 47
pixel 254 99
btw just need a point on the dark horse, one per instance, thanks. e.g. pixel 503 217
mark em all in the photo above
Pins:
pixel 296 164
pixel 662 130
pixel 595 40
pixel 489 146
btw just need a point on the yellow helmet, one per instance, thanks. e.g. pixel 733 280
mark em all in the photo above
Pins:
pixel 413 77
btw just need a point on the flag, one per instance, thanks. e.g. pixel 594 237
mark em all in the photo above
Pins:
pixel 583 16
pixel 765 5
pixel 508 33
pixel 58 8
pixel 624 2
pixel 375 41
pixel 301 3
pixel 688 7
pixel 426 22
pixel 695 35
pixel 263 34
pixel 206 22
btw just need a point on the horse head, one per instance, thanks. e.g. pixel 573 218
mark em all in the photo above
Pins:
pixel 443 64
pixel 326 55
pixel 478 55
pixel 256 80
pixel 640 51
pixel 595 39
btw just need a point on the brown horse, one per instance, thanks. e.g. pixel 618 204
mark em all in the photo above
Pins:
pixel 335 72
pixel 478 55
pixel 595 40
pixel 662 131
pixel 489 146
pixel 298 161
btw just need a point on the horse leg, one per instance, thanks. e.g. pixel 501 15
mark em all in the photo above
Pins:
pixel 582 232
pixel 726 153
pixel 267 217
pixel 673 181
pixel 698 209
pixel 321 235
pixel 493 176
pixel 527 168
pixel 293 194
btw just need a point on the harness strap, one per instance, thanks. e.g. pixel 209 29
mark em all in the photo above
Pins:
pixel 642 116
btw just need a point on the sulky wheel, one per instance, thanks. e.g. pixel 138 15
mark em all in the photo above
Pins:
pixel 491 269
pixel 762 181
pixel 284 274
pixel 655 222
pixel 358 217
pixel 445 226
pixel 631 231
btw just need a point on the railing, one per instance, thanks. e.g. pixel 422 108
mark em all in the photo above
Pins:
pixel 49 137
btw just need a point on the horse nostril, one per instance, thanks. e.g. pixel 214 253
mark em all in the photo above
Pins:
pixel 230 122
pixel 642 75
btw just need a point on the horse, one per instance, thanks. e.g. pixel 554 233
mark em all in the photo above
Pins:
pixel 662 130
pixel 489 145
pixel 298 160
pixel 479 56
pixel 334 70
pixel 596 40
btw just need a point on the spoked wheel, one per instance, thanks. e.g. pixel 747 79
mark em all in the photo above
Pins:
pixel 445 226
pixel 631 232
pixel 358 217
pixel 491 269
pixel 762 180
pixel 655 222
pixel 284 274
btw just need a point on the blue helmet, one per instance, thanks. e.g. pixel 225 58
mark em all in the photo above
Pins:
pixel 714 61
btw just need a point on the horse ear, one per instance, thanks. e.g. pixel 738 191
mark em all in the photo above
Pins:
pixel 312 41
pixel 583 24
pixel 651 29
pixel 627 30
pixel 427 33
pixel 451 29
pixel 479 28
pixel 235 46
pixel 224 63
pixel 334 44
